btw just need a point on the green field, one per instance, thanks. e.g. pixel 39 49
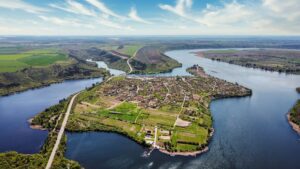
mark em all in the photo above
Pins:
pixel 43 57
pixel 130 49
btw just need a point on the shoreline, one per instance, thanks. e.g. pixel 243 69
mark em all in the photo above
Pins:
pixel 201 54
pixel 35 127
pixel 293 125
pixel 10 93
pixel 191 153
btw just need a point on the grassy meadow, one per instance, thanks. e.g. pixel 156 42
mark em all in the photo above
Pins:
pixel 36 58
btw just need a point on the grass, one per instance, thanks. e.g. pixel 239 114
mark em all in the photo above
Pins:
pixel 130 49
pixel 154 117
pixel 43 59
pixel 18 61
pixel 11 65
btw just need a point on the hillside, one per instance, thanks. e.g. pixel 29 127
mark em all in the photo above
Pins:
pixel 150 60
pixel 34 77
pixel 112 59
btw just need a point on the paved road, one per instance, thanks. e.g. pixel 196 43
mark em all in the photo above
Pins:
pixel 61 132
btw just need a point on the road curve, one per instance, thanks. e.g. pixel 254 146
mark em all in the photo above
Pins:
pixel 60 134
pixel 130 67
pixel 128 61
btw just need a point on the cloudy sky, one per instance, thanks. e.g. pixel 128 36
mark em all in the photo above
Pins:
pixel 149 17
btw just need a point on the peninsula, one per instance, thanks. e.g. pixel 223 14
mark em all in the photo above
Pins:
pixel 171 114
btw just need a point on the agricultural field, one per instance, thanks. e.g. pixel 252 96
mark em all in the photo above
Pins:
pixel 32 58
pixel 129 50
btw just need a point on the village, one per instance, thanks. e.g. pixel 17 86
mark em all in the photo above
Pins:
pixel 168 113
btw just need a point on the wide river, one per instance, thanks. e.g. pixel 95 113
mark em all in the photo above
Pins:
pixel 251 132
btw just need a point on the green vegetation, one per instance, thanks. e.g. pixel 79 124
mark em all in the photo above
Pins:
pixel 49 117
pixel 29 78
pixel 112 60
pixel 14 49
pixel 16 160
pixel 280 60
pixel 15 62
pixel 295 113
pixel 150 60
pixel 177 107
pixel 129 50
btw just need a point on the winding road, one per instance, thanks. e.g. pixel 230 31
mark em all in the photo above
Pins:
pixel 128 61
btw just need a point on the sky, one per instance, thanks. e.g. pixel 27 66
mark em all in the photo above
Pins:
pixel 149 17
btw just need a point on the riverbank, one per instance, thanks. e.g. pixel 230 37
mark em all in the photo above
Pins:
pixel 294 126
pixel 294 115
pixel 274 60
pixel 34 78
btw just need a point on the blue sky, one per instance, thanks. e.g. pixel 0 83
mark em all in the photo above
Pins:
pixel 149 17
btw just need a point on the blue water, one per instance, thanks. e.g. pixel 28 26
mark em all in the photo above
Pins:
pixel 102 64
pixel 15 110
pixel 251 132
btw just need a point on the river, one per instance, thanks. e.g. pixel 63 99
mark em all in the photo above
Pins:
pixel 15 110
pixel 251 132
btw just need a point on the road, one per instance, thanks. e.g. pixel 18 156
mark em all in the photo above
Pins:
pixel 128 61
pixel 63 126
pixel 184 99
pixel 61 132
pixel 155 137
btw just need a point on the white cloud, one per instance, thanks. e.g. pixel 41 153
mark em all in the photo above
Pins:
pixel 74 7
pixel 21 5
pixel 230 14
pixel 65 22
pixel 289 9
pixel 179 9
pixel 103 8
pixel 111 24
pixel 134 16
